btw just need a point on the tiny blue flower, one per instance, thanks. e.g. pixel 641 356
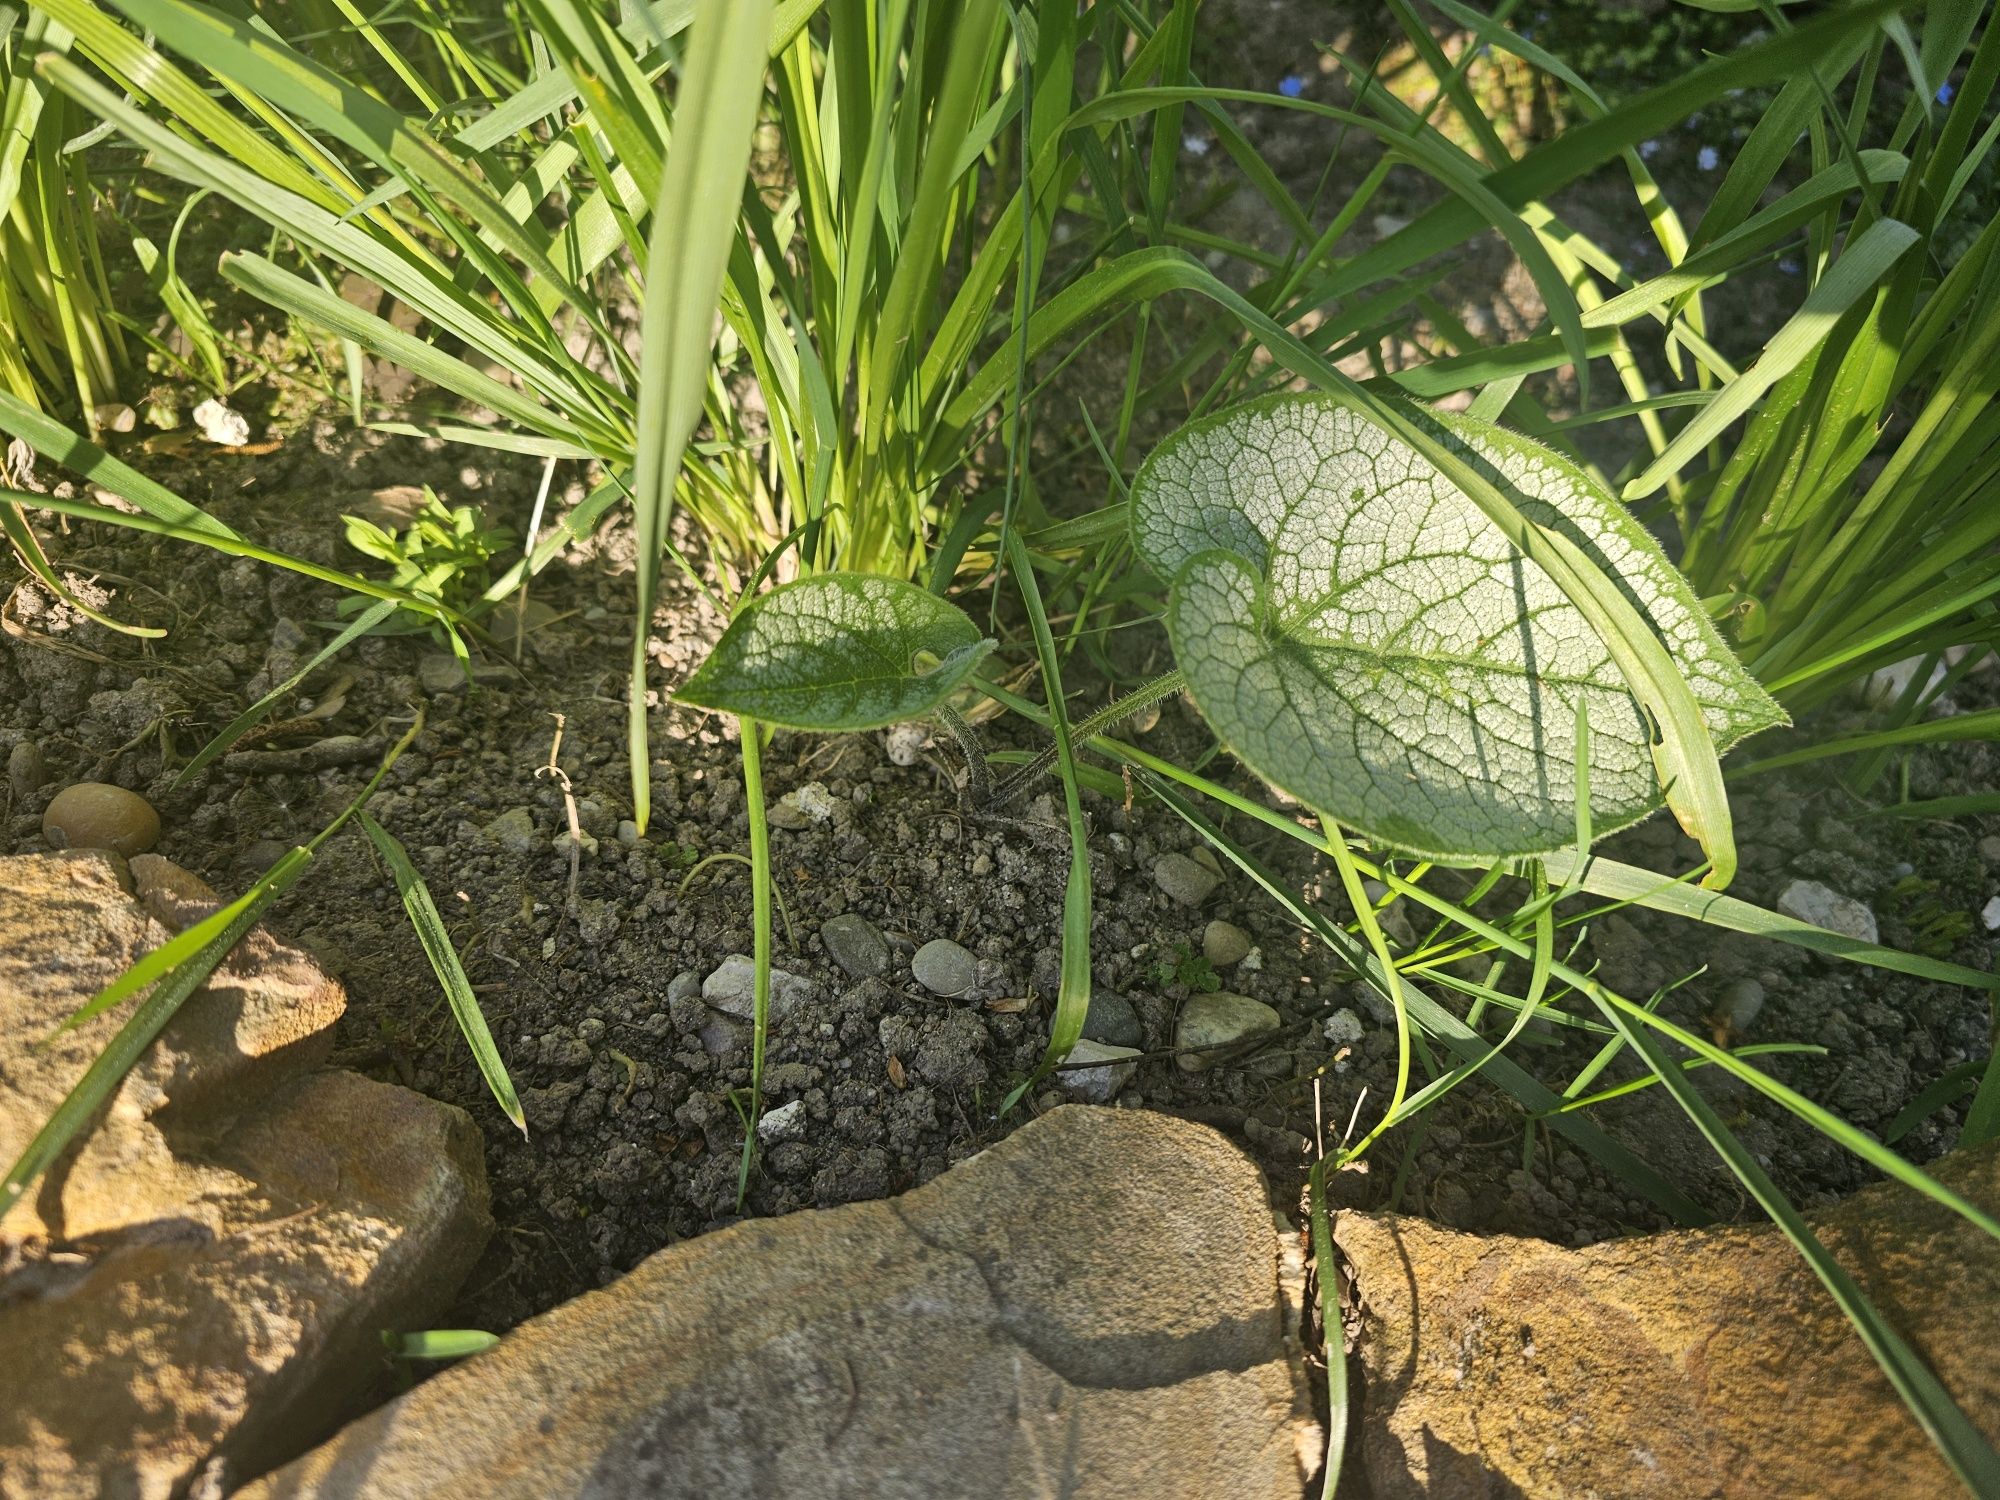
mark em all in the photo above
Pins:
pixel 1649 149
pixel 1291 85
pixel 1946 93
pixel 1706 158
pixel 1789 266
pixel 1195 145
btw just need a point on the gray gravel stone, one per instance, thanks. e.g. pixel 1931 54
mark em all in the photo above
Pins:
pixel 785 1123
pixel 1224 944
pixel 731 989
pixel 1211 1024
pixel 1809 901
pixel 1111 1020
pixel 26 768
pixel 853 943
pixel 1099 1085
pixel 514 831
pixel 944 968
pixel 439 672
pixel 1184 880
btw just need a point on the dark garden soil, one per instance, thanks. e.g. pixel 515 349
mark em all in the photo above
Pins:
pixel 626 1074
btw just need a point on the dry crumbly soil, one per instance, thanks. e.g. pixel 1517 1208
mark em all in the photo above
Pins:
pixel 626 1075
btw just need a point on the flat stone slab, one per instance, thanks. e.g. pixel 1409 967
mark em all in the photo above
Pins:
pixel 1697 1363
pixel 197 1288
pixel 1094 1307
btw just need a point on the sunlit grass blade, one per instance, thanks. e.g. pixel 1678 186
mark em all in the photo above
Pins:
pixel 1855 275
pixel 1982 724
pixel 53 441
pixel 438 948
pixel 703 181
pixel 27 548
pixel 234 546
pixel 1648 888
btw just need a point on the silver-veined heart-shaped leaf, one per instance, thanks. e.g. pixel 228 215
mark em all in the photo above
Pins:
pixel 1361 635
pixel 838 651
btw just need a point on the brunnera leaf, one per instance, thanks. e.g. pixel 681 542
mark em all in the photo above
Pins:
pixel 838 651
pixel 1363 637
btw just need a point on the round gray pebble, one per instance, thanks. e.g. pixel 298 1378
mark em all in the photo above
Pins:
pixel 853 943
pixel 944 968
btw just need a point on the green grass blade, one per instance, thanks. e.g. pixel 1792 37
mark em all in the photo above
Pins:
pixel 694 225
pixel 1981 725
pixel 235 547
pixel 437 945
pixel 314 304
pixel 59 444
pixel 1855 275
pixel 1640 887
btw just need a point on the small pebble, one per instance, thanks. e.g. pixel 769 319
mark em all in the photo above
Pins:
pixel 1343 1028
pixel 1184 880
pixel 1224 944
pixel 732 990
pixel 1989 849
pixel 1809 901
pixel 514 831
pixel 26 768
pixel 853 943
pixel 1111 1020
pixel 628 833
pixel 94 815
pixel 809 807
pixel 944 968
pixel 1990 915
pixel 1740 1003
pixel 906 744
pixel 785 1123
pixel 1211 1024
pixel 220 425
pixel 1099 1085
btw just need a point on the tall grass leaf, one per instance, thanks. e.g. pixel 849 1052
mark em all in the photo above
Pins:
pixel 1542 171
pixel 52 440
pixel 423 914
pixel 694 224
pixel 289 80
pixel 314 304
pixel 1657 892
pixel 1854 275
pixel 1983 724
pixel 234 546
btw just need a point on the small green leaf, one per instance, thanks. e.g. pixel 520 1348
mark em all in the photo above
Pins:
pixel 1362 635
pixel 838 651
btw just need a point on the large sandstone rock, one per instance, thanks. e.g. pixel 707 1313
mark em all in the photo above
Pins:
pixel 1091 1308
pixel 1706 1363
pixel 196 1288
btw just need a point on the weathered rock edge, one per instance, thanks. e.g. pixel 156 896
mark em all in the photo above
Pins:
pixel 1704 1363
pixel 1092 1307
pixel 195 1290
